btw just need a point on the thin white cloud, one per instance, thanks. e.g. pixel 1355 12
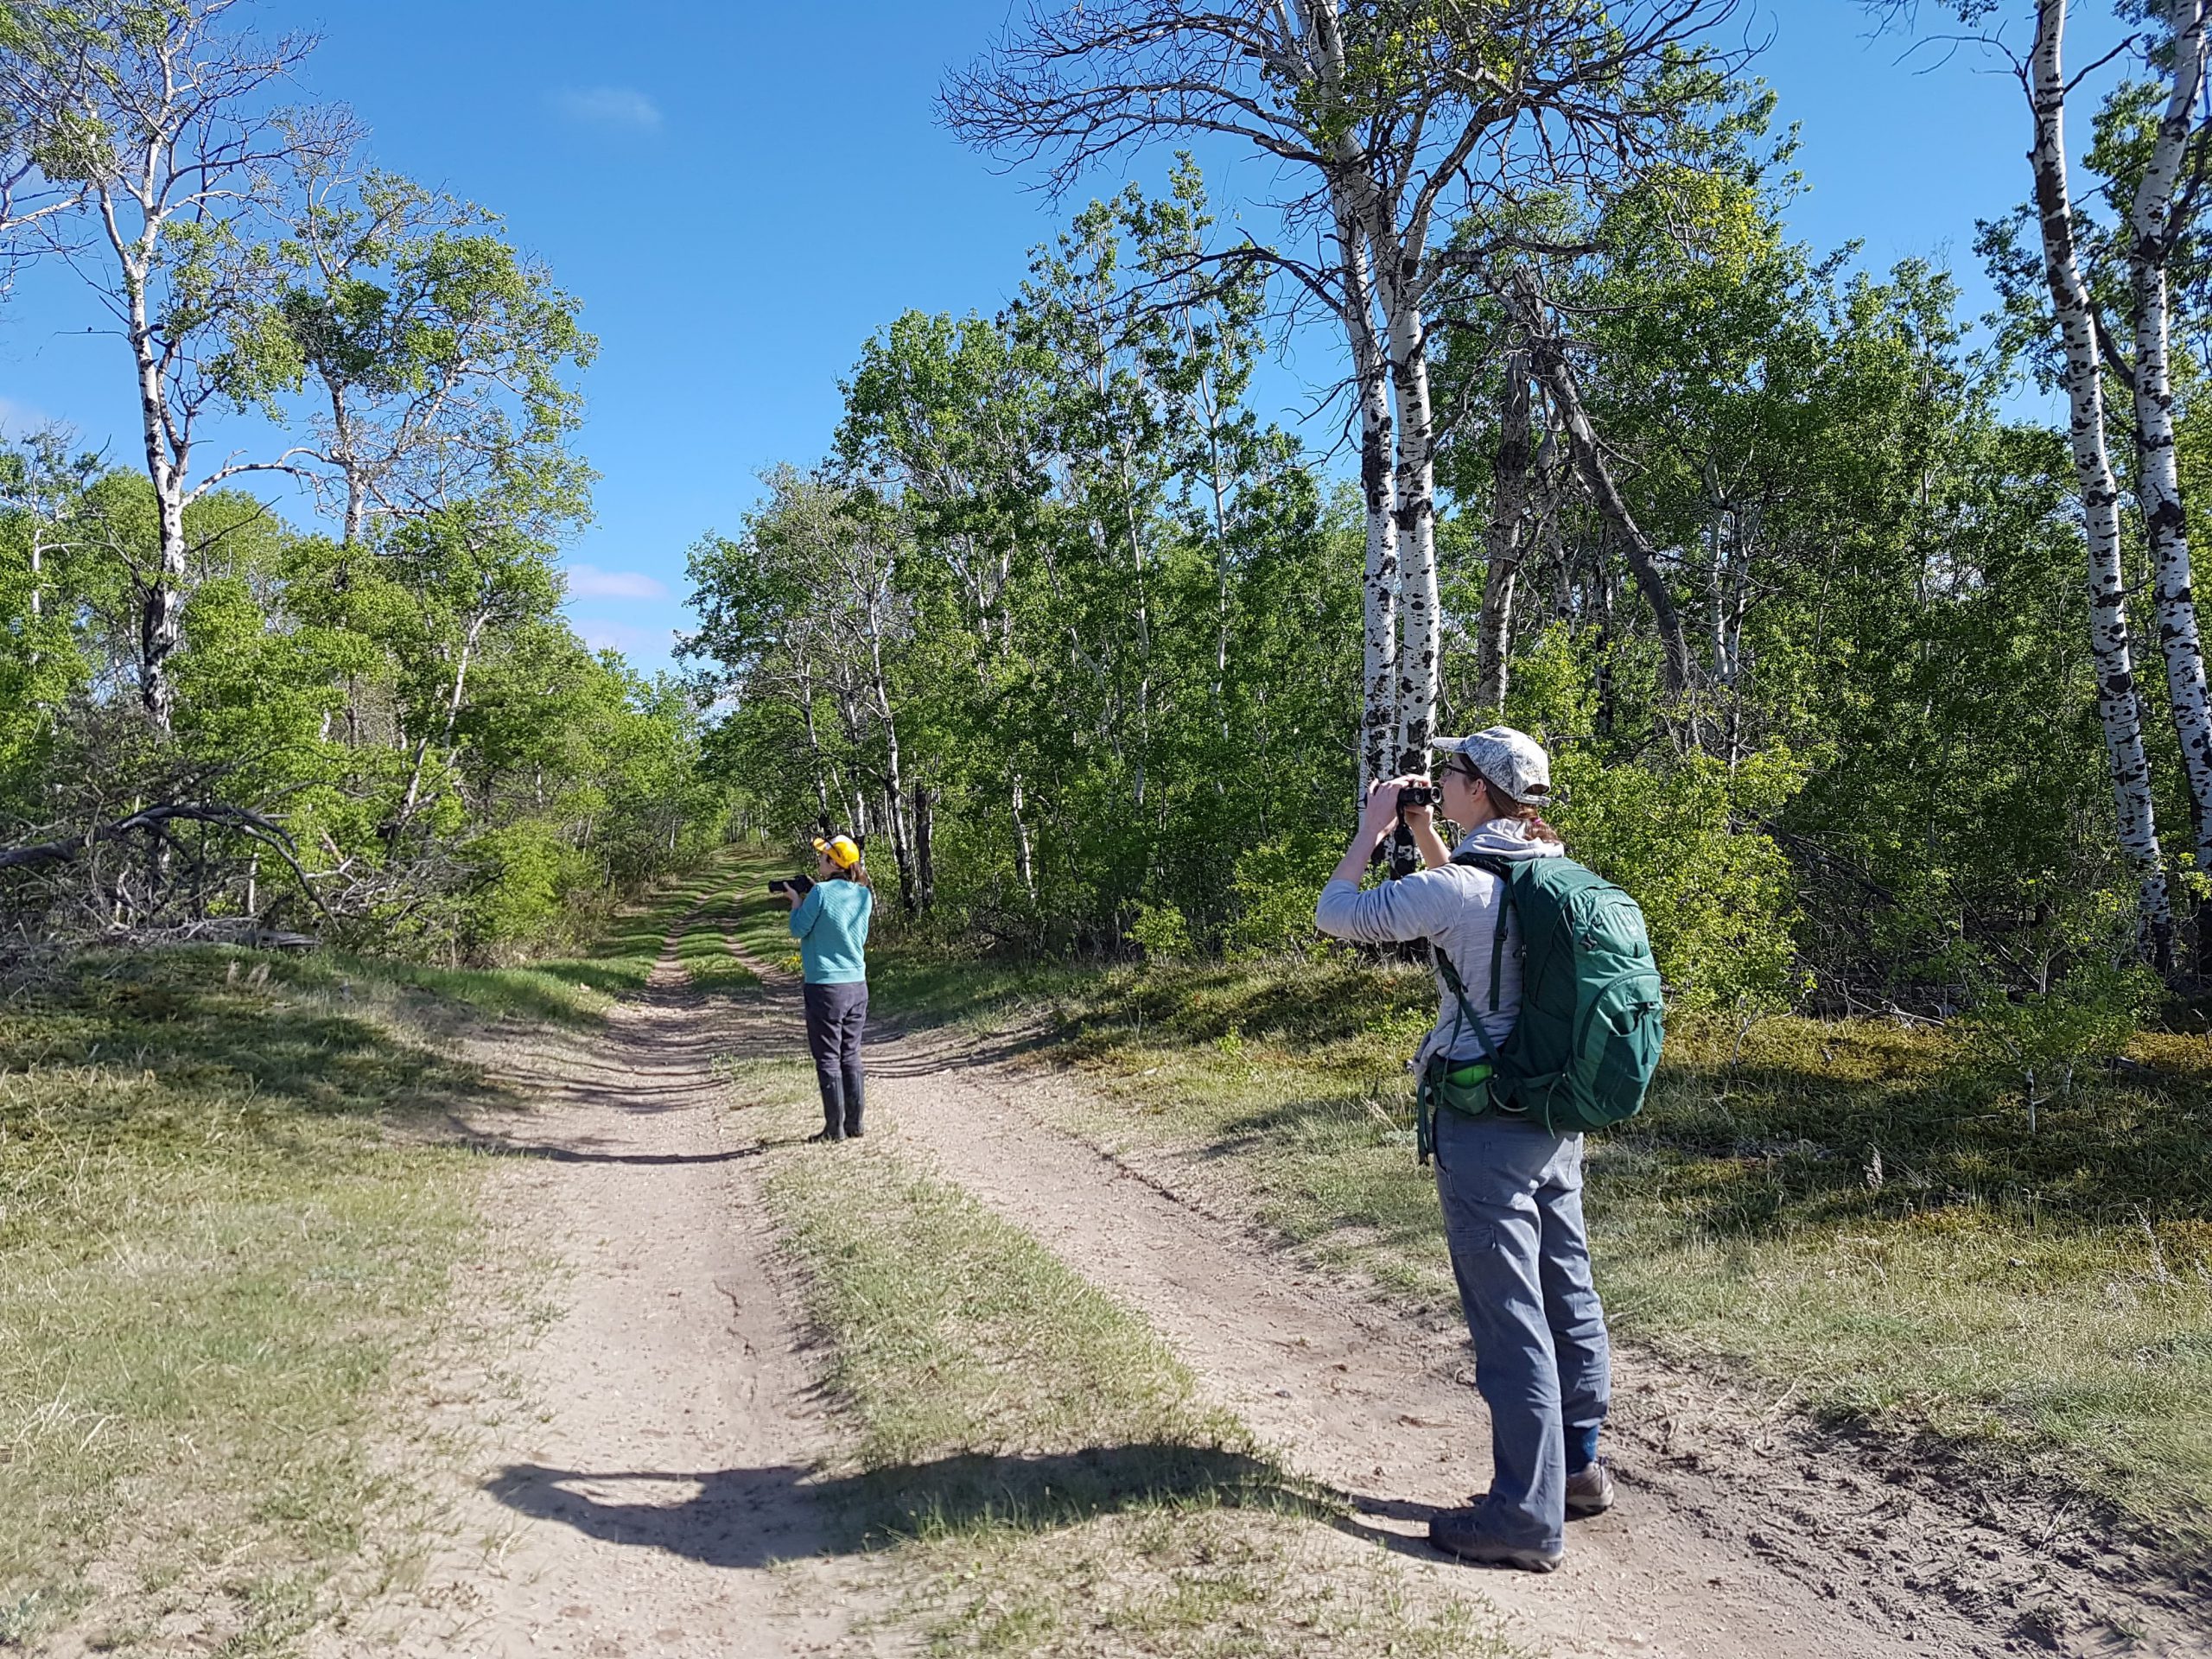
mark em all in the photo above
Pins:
pixel 601 634
pixel 610 106
pixel 20 420
pixel 589 582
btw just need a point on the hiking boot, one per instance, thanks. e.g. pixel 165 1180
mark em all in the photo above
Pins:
pixel 820 1135
pixel 1590 1491
pixel 1455 1534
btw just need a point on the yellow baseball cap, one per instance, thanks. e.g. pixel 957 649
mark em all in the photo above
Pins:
pixel 841 851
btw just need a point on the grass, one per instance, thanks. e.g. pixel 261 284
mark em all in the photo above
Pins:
pixel 211 1254
pixel 225 1218
pixel 1844 1213
pixel 702 945
pixel 1041 1464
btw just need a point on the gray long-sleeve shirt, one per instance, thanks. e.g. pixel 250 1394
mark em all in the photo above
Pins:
pixel 1456 907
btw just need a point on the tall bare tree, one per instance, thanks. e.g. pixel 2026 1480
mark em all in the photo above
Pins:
pixel 161 117
pixel 1390 118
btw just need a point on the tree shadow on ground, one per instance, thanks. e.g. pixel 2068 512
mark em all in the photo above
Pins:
pixel 1783 1142
pixel 754 1517
pixel 210 1032
pixel 497 1146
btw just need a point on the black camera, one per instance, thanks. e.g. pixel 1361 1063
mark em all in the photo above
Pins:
pixel 801 885
pixel 1419 795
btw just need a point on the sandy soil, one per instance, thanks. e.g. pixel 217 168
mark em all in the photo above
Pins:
pixel 638 1482
pixel 653 1497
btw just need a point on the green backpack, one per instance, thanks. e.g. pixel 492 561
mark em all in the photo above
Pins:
pixel 1587 1040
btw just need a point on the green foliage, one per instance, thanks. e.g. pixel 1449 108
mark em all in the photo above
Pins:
pixel 2088 998
pixel 1162 931
pixel 1274 894
pixel 1110 620
pixel 2040 1041
pixel 1719 897
pixel 454 772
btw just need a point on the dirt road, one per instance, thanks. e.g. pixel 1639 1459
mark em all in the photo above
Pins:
pixel 657 1468
pixel 634 1481
pixel 1741 1538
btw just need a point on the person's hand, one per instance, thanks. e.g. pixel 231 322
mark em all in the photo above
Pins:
pixel 791 898
pixel 1381 814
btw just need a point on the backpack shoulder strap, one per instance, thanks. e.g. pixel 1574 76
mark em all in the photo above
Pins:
pixel 1467 1015
pixel 1503 869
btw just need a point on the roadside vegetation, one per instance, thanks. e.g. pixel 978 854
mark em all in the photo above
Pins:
pixel 1855 1216
pixel 1040 1464
pixel 229 1213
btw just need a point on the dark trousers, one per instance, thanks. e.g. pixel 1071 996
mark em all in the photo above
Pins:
pixel 834 1015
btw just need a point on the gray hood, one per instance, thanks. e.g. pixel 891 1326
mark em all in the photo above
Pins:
pixel 1506 838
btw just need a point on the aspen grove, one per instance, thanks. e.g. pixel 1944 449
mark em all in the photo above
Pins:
pixel 1842 656
pixel 1748 535
pixel 219 719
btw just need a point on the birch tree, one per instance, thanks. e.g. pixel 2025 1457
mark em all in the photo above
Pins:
pixel 160 118
pixel 2162 211
pixel 433 353
pixel 940 415
pixel 2086 353
pixel 1388 119
pixel 1354 310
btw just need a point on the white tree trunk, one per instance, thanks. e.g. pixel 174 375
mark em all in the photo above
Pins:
pixel 1379 589
pixel 1418 656
pixel 1025 866
pixel 2117 705
pixel 2153 233
pixel 160 631
pixel 1506 539
pixel 895 786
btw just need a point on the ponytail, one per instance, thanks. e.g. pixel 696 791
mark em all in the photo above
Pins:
pixel 1527 813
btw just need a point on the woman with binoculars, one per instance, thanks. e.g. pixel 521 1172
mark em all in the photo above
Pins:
pixel 829 920
pixel 1511 1189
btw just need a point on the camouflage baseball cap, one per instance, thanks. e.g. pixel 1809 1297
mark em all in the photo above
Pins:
pixel 1514 762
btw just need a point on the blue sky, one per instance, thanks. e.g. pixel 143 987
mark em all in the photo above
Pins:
pixel 741 194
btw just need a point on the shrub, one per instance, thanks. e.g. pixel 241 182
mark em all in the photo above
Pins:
pixel 2038 1041
pixel 1163 931
pixel 1719 895
pixel 1272 894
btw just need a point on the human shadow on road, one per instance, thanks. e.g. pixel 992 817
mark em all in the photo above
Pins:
pixel 557 1155
pixel 753 1517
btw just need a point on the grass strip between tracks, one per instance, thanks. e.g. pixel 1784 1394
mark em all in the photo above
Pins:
pixel 1039 1461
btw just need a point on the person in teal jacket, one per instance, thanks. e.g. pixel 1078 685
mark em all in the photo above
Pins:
pixel 831 923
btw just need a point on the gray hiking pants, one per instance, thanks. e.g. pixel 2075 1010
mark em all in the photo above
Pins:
pixel 835 1016
pixel 1512 1198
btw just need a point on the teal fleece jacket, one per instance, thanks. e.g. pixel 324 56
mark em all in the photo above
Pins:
pixel 831 927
